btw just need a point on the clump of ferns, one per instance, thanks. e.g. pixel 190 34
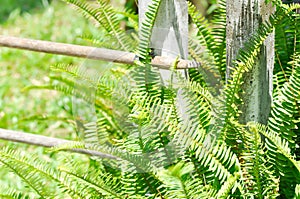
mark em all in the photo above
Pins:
pixel 160 152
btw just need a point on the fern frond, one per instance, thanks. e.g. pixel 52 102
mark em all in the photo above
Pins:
pixel 204 32
pixel 219 35
pixel 187 134
pixel 104 15
pixel 10 193
pixel 257 176
pixel 100 184
pixel 138 166
pixel 287 34
pixel 228 186
pixel 207 74
pixel 147 81
pixel 33 171
pixel 214 60
pixel 279 143
pixel 176 181
pixel 36 172
pixel 98 132
pixel 131 16
pixel 77 72
pixel 141 185
pixel 280 157
pixel 146 30
pixel 198 95
pixel 67 146
pixel 137 186
pixel 98 92
pixel 285 107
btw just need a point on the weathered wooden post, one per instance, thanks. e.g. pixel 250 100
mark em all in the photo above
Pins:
pixel 170 38
pixel 243 20
pixel 170 33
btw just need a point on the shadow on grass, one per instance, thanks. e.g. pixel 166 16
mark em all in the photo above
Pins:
pixel 7 6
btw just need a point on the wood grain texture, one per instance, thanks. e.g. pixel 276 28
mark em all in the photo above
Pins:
pixel 88 52
pixel 243 20
pixel 170 39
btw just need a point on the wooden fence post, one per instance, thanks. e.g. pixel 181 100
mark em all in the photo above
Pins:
pixel 170 38
pixel 243 19
pixel 170 32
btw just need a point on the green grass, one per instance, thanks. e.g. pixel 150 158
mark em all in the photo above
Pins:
pixel 7 6
pixel 19 68
pixel 56 22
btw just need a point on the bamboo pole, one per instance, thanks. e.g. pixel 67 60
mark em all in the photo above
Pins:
pixel 40 140
pixel 89 52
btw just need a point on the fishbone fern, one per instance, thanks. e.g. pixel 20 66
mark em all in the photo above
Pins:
pixel 158 152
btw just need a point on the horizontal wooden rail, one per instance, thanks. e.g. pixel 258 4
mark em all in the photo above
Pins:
pixel 40 140
pixel 89 52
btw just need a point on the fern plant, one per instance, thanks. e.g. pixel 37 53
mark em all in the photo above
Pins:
pixel 156 151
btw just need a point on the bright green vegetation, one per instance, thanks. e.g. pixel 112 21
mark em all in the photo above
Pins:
pixel 19 69
pixel 7 6
pixel 30 111
pixel 133 117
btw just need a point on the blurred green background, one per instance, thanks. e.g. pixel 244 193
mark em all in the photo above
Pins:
pixel 36 111
pixel 54 22
pixel 7 6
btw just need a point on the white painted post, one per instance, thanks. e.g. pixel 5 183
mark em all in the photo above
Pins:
pixel 243 19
